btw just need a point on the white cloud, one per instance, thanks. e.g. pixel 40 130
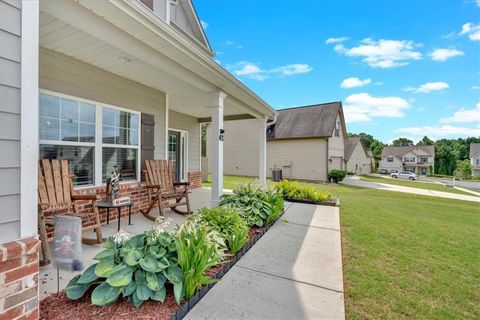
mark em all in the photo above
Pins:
pixel 478 2
pixel 291 69
pixel 465 116
pixel 472 30
pixel 230 43
pixel 250 70
pixel 444 54
pixel 436 132
pixel 361 107
pixel 254 71
pixel 354 82
pixel 383 53
pixel 336 40
pixel 475 87
pixel 428 87
pixel 204 24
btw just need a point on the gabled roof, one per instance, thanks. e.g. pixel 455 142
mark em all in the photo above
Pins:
pixel 315 121
pixel 350 146
pixel 370 154
pixel 474 149
pixel 196 31
pixel 401 151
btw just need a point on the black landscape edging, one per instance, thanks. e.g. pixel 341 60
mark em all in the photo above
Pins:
pixel 190 303
pixel 331 203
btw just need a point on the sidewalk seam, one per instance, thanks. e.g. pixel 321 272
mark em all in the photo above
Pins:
pixel 309 226
pixel 286 278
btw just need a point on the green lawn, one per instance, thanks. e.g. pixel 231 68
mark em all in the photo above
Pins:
pixel 407 256
pixel 413 184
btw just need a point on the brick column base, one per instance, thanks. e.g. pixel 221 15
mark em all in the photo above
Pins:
pixel 19 279
pixel 195 179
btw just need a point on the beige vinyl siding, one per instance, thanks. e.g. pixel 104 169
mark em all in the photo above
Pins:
pixel 10 108
pixel 306 158
pixel 190 124
pixel 397 164
pixel 63 74
pixel 359 163
pixel 241 147
pixel 336 148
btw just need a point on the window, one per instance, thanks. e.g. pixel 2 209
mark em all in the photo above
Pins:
pixel 337 128
pixel 478 162
pixel 389 159
pixel 120 143
pixel 423 159
pixel 409 159
pixel 68 130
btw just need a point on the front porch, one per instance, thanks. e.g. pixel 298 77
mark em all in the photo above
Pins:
pixel 199 198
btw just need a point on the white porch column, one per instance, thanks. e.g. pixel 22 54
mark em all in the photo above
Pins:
pixel 217 147
pixel 262 152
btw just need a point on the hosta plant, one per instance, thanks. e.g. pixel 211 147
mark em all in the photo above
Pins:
pixel 136 268
pixel 255 205
pixel 197 252
pixel 228 223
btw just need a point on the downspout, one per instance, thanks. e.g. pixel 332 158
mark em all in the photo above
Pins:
pixel 326 160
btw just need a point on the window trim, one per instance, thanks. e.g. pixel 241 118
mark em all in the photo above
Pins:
pixel 98 144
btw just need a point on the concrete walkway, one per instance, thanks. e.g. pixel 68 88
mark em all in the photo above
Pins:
pixel 355 181
pixel 293 272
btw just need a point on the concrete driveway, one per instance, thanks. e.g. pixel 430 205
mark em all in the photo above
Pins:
pixel 355 181
pixel 293 272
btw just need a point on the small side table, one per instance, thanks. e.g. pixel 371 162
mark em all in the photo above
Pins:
pixel 109 205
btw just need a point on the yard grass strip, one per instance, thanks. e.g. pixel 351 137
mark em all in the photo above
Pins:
pixel 414 184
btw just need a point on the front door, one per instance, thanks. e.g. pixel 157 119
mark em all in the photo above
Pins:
pixel 176 153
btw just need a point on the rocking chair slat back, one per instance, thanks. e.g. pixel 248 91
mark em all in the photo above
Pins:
pixel 160 173
pixel 54 184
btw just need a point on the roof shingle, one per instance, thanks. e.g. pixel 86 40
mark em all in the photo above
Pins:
pixel 305 122
pixel 401 151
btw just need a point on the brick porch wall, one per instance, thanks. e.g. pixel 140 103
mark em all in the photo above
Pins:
pixel 136 191
pixel 19 279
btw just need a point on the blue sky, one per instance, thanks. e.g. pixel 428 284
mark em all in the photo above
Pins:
pixel 401 68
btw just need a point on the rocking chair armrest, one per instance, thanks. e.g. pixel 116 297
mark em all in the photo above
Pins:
pixel 43 206
pixel 92 197
pixel 181 183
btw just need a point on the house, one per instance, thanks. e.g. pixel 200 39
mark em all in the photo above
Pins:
pixel 305 142
pixel 357 158
pixel 104 83
pixel 475 159
pixel 416 159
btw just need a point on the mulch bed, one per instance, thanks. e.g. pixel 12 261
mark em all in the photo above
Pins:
pixel 59 307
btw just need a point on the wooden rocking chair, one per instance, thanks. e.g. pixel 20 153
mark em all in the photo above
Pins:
pixel 162 188
pixel 55 194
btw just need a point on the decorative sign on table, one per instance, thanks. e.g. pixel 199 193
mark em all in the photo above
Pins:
pixel 121 201
pixel 67 247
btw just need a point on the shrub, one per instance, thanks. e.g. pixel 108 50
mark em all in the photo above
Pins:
pixel 255 206
pixel 197 253
pixel 292 190
pixel 137 268
pixel 228 223
pixel 337 175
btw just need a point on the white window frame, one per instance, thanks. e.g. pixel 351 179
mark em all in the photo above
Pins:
pixel 390 159
pixel 98 144
pixel 183 134
pixel 407 159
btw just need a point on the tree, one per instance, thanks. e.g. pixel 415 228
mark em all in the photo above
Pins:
pixel 464 168
pixel 425 142
pixel 371 144
pixel 402 142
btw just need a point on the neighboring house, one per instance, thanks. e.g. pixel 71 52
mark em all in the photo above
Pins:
pixel 357 157
pixel 305 142
pixel 475 159
pixel 416 159
pixel 103 83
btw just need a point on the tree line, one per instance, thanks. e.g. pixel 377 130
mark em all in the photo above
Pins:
pixel 449 153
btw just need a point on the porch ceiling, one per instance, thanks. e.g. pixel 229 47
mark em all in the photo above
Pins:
pixel 127 57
